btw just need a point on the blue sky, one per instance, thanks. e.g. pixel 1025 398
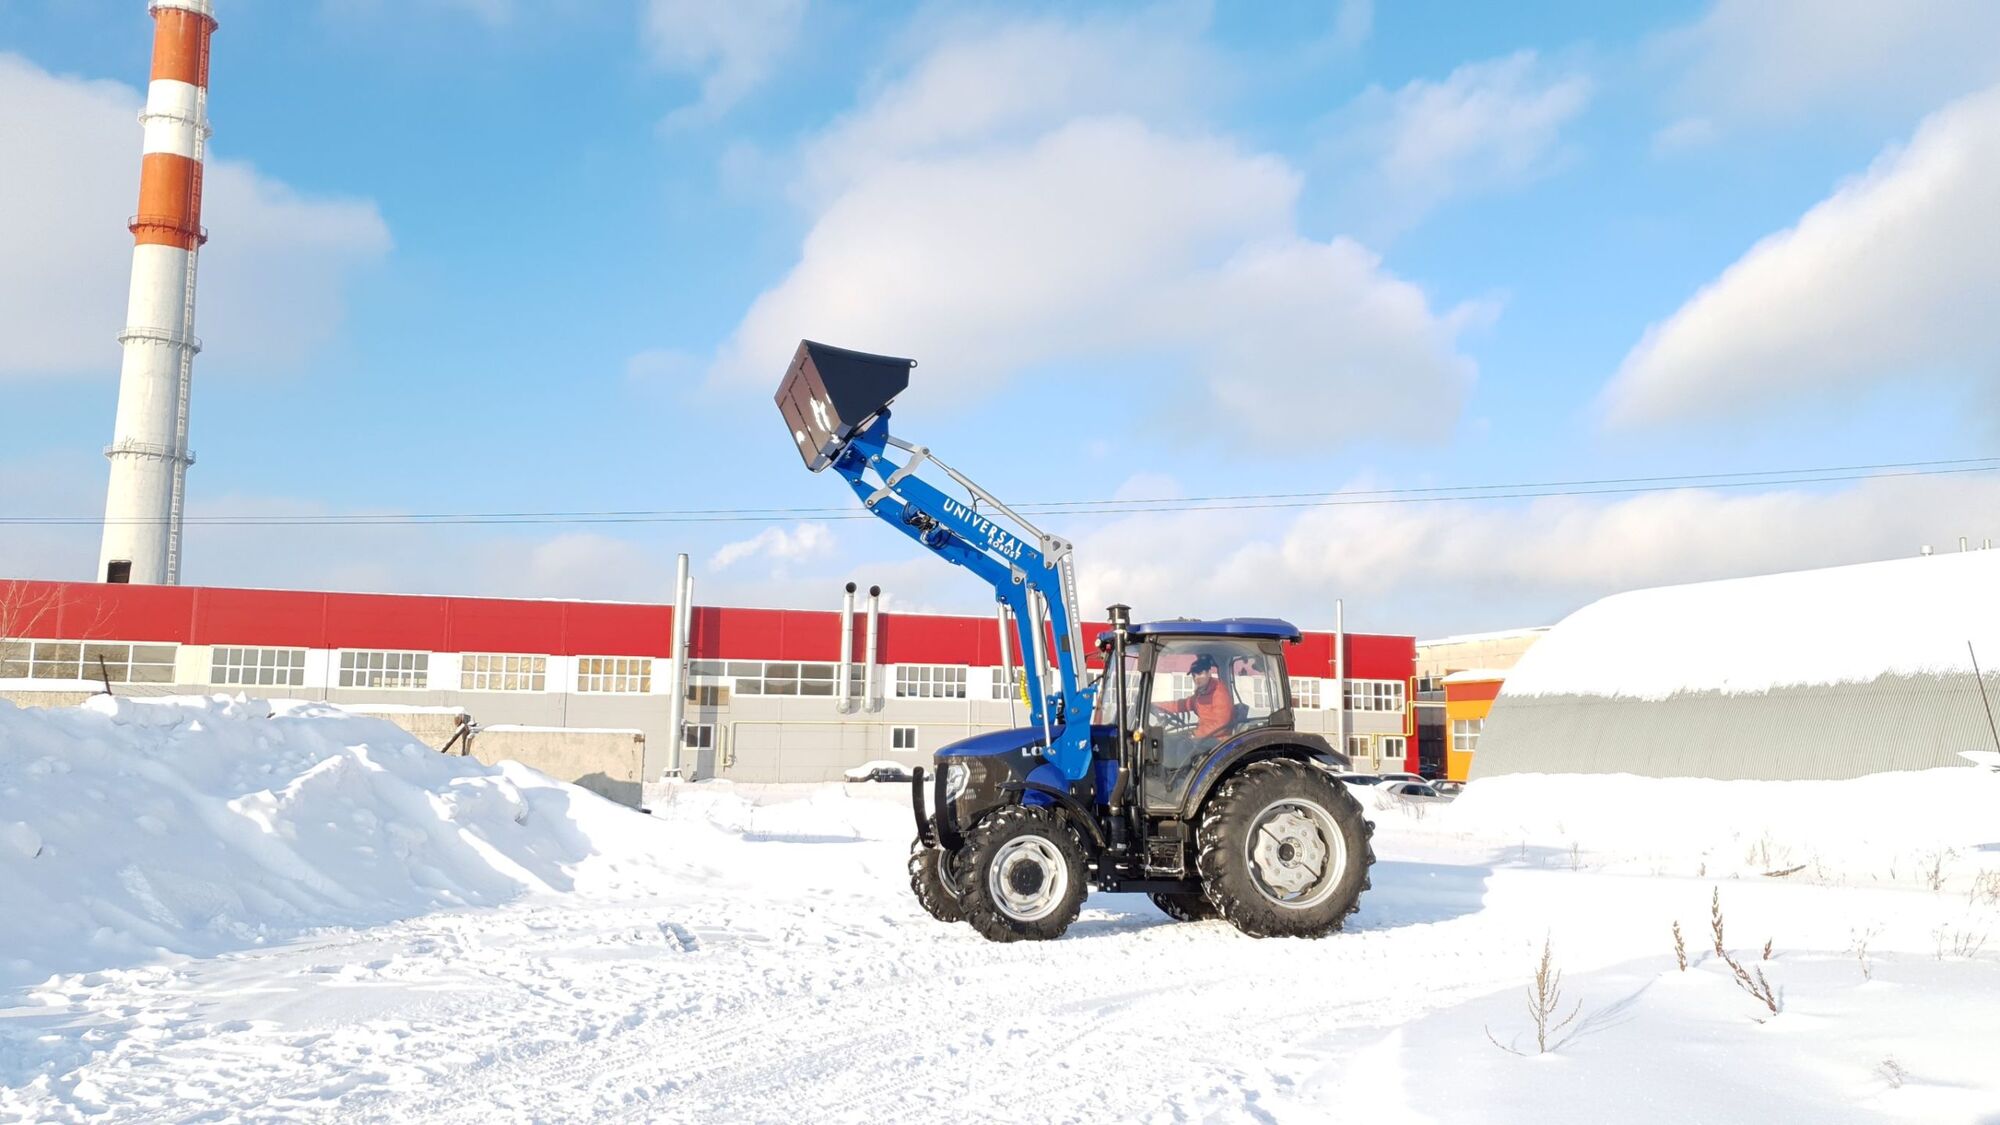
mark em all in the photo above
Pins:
pixel 500 255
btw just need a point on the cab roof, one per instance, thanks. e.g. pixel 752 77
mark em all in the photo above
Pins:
pixel 1223 627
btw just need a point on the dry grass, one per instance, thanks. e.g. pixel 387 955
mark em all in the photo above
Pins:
pixel 1751 981
pixel 1545 1004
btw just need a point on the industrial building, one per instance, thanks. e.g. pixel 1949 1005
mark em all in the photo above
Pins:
pixel 763 698
pixel 1457 678
pixel 1818 674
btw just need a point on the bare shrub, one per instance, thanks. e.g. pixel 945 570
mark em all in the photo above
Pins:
pixel 1859 947
pixel 1767 948
pixel 1892 1072
pixel 1680 947
pixel 1985 889
pixel 1961 944
pixel 1750 981
pixel 1545 1002
pixel 1934 875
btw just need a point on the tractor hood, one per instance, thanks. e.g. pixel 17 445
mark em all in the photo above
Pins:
pixel 995 742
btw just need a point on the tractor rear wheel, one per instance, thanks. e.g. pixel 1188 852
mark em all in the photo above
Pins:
pixel 1193 907
pixel 1020 875
pixel 930 878
pixel 1284 850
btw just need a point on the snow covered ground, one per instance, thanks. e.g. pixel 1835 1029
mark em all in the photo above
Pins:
pixel 211 914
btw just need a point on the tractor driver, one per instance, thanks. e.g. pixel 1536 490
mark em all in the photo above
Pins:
pixel 1213 711
pixel 1213 708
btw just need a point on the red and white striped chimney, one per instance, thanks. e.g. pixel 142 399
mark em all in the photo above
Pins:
pixel 149 447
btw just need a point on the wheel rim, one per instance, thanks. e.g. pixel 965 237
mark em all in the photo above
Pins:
pixel 1027 879
pixel 942 864
pixel 1295 853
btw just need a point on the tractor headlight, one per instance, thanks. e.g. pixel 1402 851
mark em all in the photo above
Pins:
pixel 957 776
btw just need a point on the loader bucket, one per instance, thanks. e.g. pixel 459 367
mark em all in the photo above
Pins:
pixel 830 393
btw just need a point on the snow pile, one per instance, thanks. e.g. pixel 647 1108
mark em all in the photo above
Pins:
pixel 1909 828
pixel 1849 624
pixel 195 825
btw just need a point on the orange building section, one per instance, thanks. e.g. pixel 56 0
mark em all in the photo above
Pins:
pixel 1467 702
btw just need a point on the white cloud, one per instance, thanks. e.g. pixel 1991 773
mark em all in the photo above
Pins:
pixel 1889 279
pixel 1761 60
pixel 1491 124
pixel 271 278
pixel 986 217
pixel 1684 134
pixel 985 83
pixel 1435 568
pixel 732 46
pixel 778 546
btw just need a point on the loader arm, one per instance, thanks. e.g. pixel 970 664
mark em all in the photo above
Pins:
pixel 835 403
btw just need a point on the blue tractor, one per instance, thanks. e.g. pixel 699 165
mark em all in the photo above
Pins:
pixel 1177 773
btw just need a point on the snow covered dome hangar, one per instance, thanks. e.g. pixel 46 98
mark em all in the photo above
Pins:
pixel 1819 674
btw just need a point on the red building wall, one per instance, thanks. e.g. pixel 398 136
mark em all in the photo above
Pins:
pixel 307 619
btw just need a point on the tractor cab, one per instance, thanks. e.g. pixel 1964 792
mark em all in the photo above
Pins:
pixel 1191 689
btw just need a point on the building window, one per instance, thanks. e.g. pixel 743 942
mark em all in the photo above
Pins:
pixel 614 674
pixel 1465 734
pixel 410 670
pixel 902 738
pixel 698 736
pixel 776 677
pixel 500 671
pixel 1305 693
pixel 1394 747
pixel 930 681
pixel 1009 683
pixel 1375 695
pixel 708 695
pixel 1359 751
pixel 259 667
pixel 71 660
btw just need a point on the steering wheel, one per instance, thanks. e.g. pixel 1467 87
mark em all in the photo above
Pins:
pixel 1172 721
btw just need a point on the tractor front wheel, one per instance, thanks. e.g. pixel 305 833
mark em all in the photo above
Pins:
pixel 1020 875
pixel 930 878
pixel 1284 850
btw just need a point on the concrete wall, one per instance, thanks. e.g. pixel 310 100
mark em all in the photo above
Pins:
pixel 768 738
pixel 606 762
pixel 1830 731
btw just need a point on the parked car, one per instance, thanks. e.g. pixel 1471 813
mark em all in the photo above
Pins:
pixel 1418 778
pixel 1414 791
pixel 1448 788
pixel 878 771
pixel 1359 780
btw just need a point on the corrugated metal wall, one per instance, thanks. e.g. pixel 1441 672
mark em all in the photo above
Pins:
pixel 1794 733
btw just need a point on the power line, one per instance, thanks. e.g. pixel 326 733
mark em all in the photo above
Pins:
pixel 1610 486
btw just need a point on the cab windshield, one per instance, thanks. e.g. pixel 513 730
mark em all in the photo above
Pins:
pixel 1107 692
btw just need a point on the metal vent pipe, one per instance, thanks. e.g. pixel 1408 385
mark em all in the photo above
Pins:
pixel 1340 673
pixel 1006 659
pixel 846 673
pixel 868 671
pixel 677 667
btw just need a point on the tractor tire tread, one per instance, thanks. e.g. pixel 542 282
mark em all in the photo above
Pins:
pixel 987 834
pixel 1227 885
pixel 927 881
